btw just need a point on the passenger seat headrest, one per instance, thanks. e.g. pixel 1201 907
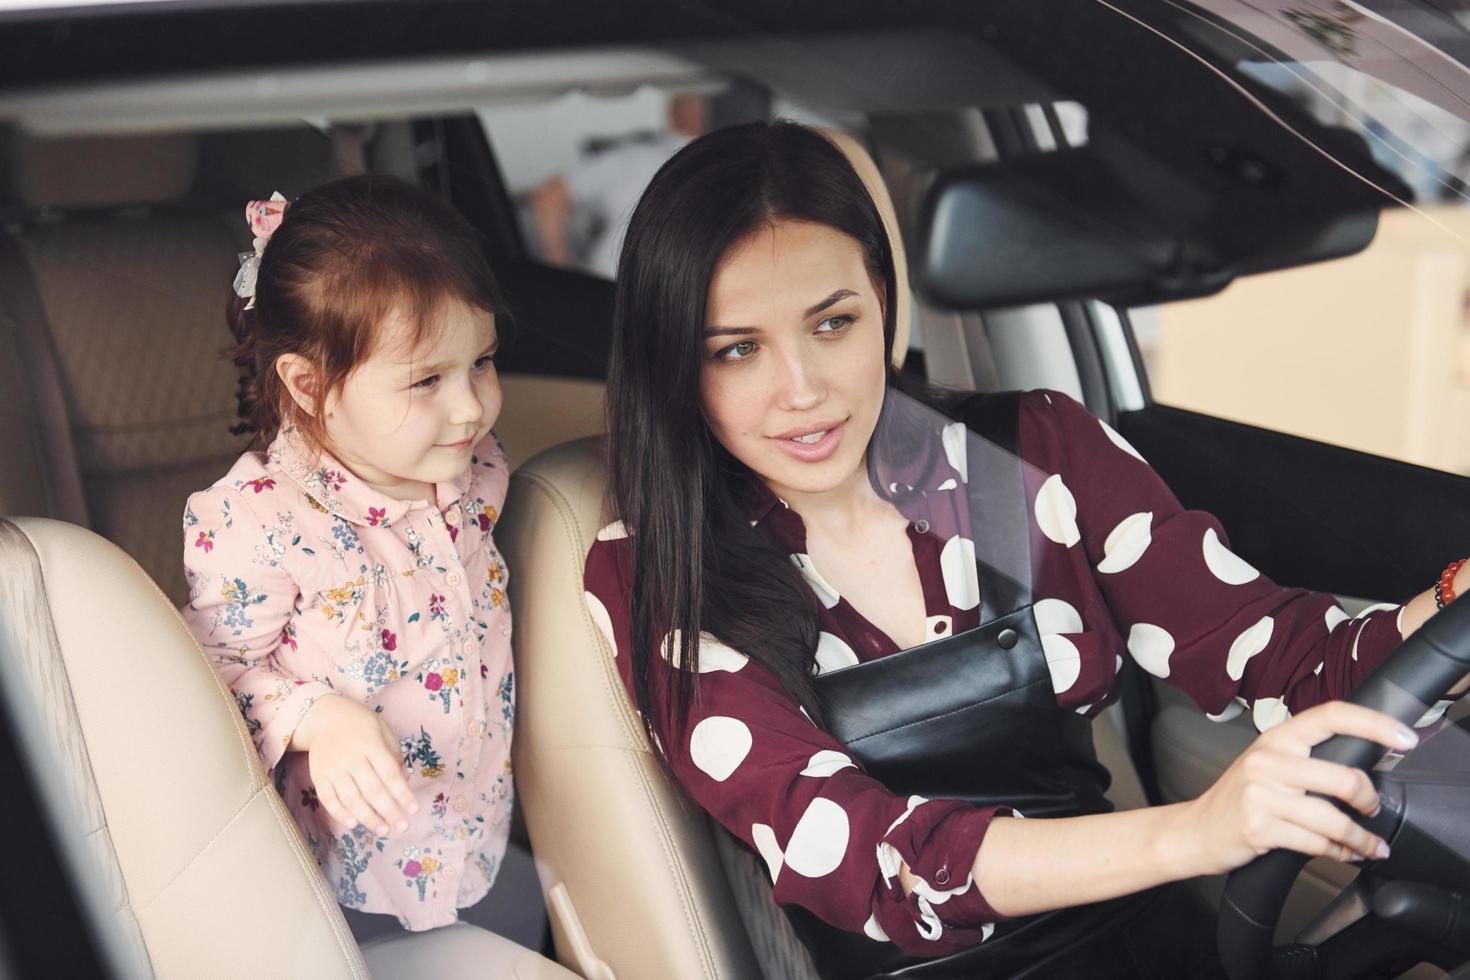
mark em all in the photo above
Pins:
pixel 98 171
pixel 867 169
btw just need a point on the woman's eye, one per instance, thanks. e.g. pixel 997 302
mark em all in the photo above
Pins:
pixel 835 323
pixel 426 384
pixel 737 352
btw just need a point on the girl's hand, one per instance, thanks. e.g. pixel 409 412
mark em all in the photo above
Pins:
pixel 1260 803
pixel 355 764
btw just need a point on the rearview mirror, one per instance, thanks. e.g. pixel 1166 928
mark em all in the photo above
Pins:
pixel 1064 226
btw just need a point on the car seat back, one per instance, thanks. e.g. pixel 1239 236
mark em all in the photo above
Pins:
pixel 202 865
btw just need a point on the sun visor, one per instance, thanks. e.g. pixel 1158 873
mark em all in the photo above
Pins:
pixel 1063 225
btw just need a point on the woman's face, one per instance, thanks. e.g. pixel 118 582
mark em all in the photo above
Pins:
pixel 794 371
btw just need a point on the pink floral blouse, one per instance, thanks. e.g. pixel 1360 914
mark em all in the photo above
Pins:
pixel 1122 570
pixel 304 581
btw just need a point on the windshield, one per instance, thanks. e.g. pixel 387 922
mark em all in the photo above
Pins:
pixel 1350 67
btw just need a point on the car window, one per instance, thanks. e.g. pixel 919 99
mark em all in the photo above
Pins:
pixel 1371 351
pixel 575 164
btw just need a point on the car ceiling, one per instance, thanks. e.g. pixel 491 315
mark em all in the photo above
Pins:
pixel 1175 123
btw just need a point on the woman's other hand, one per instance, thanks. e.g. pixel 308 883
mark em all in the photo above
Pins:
pixel 1262 801
pixel 355 764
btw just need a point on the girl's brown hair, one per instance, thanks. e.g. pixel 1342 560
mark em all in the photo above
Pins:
pixel 348 255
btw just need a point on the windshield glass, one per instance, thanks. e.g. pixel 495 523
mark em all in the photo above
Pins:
pixel 1349 67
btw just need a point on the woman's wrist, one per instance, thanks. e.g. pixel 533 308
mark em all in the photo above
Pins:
pixel 1177 848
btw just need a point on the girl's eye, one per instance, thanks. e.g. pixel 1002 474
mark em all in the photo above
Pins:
pixel 835 323
pixel 736 352
pixel 426 384
pixel 484 362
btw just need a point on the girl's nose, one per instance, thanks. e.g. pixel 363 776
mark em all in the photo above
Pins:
pixel 466 408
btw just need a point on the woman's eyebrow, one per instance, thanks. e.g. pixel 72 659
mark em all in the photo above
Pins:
pixel 813 310
pixel 729 331
pixel 819 307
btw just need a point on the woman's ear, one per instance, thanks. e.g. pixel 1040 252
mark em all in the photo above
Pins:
pixel 300 378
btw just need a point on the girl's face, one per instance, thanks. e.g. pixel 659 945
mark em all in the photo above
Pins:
pixel 794 370
pixel 407 419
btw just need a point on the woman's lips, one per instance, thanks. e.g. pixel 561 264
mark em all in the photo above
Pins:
pixel 824 445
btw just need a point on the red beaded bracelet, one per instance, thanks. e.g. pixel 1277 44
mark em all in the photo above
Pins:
pixel 1444 589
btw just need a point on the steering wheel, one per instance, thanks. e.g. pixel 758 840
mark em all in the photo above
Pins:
pixel 1405 906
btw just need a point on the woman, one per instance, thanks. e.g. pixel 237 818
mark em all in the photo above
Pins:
pixel 774 557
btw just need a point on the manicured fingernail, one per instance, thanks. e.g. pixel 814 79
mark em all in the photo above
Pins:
pixel 1377 809
pixel 402 826
pixel 413 808
pixel 1382 852
pixel 1406 738
pixel 383 831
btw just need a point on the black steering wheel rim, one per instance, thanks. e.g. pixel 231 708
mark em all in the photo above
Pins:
pixel 1418 673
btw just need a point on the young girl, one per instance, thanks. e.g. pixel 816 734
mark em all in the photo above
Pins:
pixel 344 581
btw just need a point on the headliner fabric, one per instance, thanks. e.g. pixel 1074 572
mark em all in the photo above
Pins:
pixel 99 171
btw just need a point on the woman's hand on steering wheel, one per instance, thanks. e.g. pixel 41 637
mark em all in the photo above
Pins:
pixel 1272 796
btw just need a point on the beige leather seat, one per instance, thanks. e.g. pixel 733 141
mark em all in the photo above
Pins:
pixel 115 397
pixel 189 852
pixel 638 882
pixel 116 403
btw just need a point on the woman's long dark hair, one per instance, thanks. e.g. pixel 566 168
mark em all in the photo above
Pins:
pixel 698 565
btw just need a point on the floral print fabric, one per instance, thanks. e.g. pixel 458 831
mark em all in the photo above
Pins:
pixel 304 581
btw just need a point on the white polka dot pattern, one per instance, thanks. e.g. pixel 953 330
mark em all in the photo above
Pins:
pixel 953 437
pixel 764 839
pixel 1120 442
pixel 1056 616
pixel 1247 645
pixel 1269 712
pixel 1230 711
pixel 937 626
pixel 833 653
pixel 957 564
pixel 1151 647
pixel 1126 543
pixel 874 931
pixel 598 612
pixel 718 745
pixel 826 762
pixel 1187 609
pixel 613 532
pixel 819 841
pixel 1225 564
pixel 1056 512
pixel 1063 660
pixel 826 595
pixel 713 655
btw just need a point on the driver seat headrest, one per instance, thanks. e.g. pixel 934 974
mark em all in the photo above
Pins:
pixel 867 169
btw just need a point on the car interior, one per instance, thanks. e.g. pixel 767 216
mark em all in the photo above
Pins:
pixel 1087 177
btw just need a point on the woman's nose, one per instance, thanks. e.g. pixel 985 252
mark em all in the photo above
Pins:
pixel 801 383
